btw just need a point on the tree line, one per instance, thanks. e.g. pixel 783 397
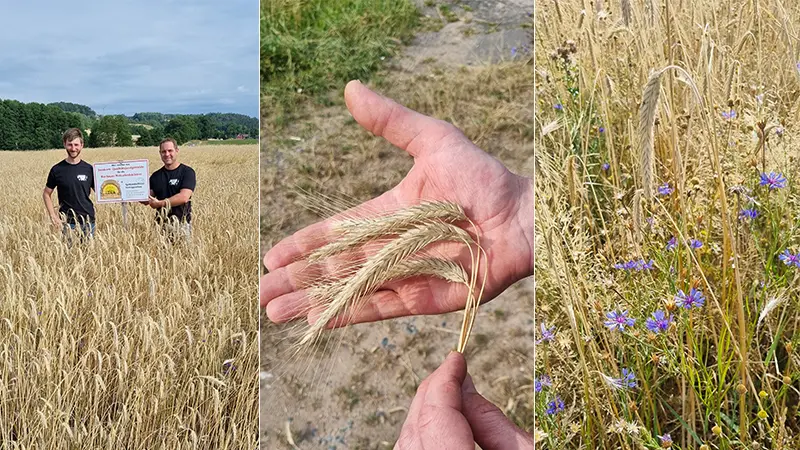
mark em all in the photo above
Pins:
pixel 35 126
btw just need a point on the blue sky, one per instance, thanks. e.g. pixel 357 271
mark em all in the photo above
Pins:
pixel 123 57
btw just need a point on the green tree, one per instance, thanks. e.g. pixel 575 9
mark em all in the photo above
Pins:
pixel 205 127
pixel 182 129
pixel 111 131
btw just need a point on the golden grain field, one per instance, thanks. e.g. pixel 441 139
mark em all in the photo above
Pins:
pixel 127 341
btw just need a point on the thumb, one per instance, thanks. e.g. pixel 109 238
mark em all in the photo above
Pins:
pixel 403 127
pixel 490 427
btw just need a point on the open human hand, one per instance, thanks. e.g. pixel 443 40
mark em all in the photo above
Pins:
pixel 447 166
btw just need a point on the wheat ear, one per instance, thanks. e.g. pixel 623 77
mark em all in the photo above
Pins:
pixel 323 294
pixel 625 8
pixel 376 269
pixel 647 121
pixel 360 231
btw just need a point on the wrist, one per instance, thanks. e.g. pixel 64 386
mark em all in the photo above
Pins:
pixel 525 217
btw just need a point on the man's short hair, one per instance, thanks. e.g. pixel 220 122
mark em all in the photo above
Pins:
pixel 168 139
pixel 72 134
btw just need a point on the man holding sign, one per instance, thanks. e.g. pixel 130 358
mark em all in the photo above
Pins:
pixel 74 179
pixel 171 189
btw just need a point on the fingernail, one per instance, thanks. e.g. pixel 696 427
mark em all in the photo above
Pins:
pixel 469 386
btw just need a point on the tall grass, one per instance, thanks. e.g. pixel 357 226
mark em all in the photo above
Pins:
pixel 127 341
pixel 675 118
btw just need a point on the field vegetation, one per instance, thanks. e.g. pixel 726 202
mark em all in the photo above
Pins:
pixel 667 225
pixel 128 341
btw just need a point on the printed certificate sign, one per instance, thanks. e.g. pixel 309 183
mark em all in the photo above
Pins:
pixel 122 181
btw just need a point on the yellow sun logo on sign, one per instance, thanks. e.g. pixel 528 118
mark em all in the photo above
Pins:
pixel 110 189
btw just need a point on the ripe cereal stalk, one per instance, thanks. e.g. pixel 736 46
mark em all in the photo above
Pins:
pixel 407 232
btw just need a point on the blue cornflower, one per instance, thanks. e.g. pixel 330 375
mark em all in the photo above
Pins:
pixel 228 367
pixel 728 115
pixel 601 129
pixel 513 51
pixel 695 243
pixel 666 440
pixel 628 379
pixel 618 320
pixel 779 131
pixel 694 299
pixel 636 265
pixel 555 406
pixel 773 180
pixel 548 334
pixel 671 244
pixel 751 213
pixel 605 166
pixel 558 107
pixel 659 323
pixel 664 189
pixel 541 383
pixel 789 259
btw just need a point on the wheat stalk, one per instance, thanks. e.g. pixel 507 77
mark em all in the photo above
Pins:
pixel 571 174
pixel 637 216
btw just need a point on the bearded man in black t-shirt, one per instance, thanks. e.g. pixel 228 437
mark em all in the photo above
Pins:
pixel 74 180
pixel 171 189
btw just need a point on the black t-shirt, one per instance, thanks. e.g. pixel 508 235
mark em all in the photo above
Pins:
pixel 166 183
pixel 74 183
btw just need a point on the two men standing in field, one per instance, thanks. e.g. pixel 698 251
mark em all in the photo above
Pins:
pixel 171 189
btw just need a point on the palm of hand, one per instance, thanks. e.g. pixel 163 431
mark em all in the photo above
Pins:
pixel 452 168
pixel 448 166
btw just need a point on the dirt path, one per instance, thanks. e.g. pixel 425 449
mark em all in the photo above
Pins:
pixel 473 32
pixel 357 397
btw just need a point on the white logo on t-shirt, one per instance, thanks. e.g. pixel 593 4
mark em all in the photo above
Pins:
pixel 82 177
pixel 173 182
